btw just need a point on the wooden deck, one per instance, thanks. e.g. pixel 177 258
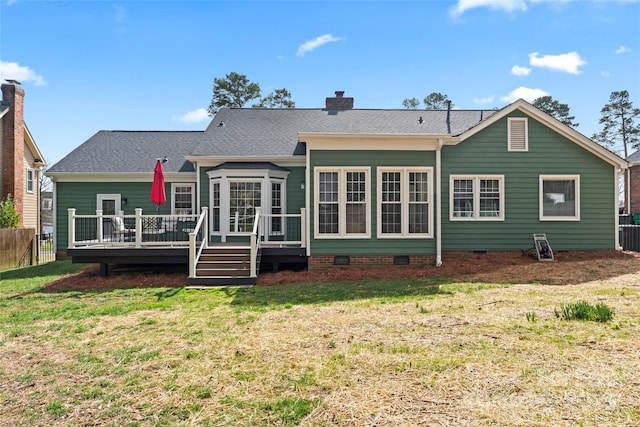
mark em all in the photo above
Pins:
pixel 184 240
pixel 272 257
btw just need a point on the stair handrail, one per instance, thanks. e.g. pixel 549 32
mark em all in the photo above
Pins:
pixel 195 252
pixel 255 243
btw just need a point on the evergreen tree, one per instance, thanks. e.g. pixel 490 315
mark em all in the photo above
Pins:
pixel 279 98
pixel 555 109
pixel 619 132
pixel 235 90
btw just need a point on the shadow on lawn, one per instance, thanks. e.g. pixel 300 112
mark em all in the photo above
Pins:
pixel 318 293
pixel 42 270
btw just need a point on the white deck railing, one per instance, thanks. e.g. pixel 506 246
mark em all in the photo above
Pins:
pixel 284 229
pixel 141 231
pixel 255 244
pixel 129 230
pixel 195 249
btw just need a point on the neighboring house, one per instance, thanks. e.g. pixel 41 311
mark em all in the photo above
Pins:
pixel 633 188
pixel 20 158
pixel 371 186
pixel 46 214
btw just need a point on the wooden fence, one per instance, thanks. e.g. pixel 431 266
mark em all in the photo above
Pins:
pixel 17 248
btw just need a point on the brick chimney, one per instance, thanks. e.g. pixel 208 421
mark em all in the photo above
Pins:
pixel 339 102
pixel 13 174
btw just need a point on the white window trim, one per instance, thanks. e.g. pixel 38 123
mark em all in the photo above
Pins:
pixel 33 180
pixel 342 203
pixel 476 198
pixel 115 197
pixel 225 176
pixel 263 200
pixel 404 194
pixel 173 195
pixel 543 178
pixel 212 182
pixel 510 120
pixel 283 204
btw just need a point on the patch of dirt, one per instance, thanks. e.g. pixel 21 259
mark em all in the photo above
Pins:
pixel 494 267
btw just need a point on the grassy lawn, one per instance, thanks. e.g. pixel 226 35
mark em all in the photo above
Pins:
pixel 384 353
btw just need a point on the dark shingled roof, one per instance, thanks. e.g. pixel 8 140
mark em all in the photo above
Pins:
pixel 257 132
pixel 131 151
pixel 252 132
pixel 634 157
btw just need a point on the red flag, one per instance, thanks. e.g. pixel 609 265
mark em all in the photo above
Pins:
pixel 157 188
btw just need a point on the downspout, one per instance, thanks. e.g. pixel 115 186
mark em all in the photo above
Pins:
pixel 627 190
pixel 438 205
pixel 617 201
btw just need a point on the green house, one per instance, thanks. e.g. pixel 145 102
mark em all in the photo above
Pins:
pixel 336 186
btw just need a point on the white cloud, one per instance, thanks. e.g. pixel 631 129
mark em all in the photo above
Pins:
pixel 507 5
pixel 316 43
pixel 487 100
pixel 13 70
pixel 517 70
pixel 623 49
pixel 194 116
pixel 605 74
pixel 526 93
pixel 120 13
pixel 567 62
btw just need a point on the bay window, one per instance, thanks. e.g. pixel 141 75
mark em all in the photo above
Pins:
pixel 237 191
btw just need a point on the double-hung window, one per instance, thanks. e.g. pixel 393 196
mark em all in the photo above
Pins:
pixel 559 198
pixel 277 219
pixel 342 202
pixel 31 173
pixel 404 202
pixel 476 197
pixel 183 200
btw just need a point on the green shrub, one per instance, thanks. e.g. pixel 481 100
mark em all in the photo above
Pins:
pixel 9 217
pixel 584 311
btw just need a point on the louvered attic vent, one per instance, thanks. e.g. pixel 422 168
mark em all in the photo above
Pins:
pixel 517 134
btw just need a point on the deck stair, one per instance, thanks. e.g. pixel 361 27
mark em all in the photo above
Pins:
pixel 224 265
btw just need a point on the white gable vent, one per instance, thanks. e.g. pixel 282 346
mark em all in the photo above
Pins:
pixel 518 134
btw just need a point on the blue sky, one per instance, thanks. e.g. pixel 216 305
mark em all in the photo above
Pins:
pixel 150 65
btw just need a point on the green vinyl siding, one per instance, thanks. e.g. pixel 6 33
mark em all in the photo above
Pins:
pixel 549 154
pixel 372 159
pixel 82 197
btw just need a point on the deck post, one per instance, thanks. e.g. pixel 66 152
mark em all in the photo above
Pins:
pixel 205 225
pixel 192 254
pixel 303 227
pixel 138 229
pixel 71 226
pixel 99 225
pixel 255 235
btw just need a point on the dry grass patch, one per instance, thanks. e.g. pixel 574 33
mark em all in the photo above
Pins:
pixel 418 351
